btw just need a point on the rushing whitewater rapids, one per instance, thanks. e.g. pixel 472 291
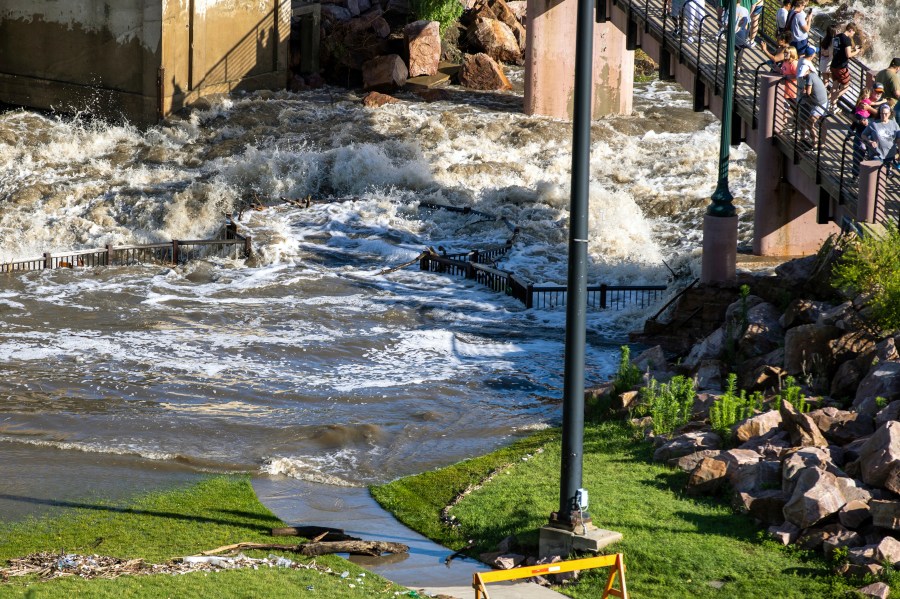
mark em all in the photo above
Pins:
pixel 304 361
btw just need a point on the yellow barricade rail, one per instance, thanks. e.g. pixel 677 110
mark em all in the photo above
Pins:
pixel 616 562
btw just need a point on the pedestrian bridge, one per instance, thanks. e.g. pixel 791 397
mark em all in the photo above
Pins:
pixel 804 191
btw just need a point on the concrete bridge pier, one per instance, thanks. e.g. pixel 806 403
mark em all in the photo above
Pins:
pixel 785 220
pixel 550 61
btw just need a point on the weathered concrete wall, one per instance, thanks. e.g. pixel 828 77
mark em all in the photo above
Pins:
pixel 134 58
pixel 218 46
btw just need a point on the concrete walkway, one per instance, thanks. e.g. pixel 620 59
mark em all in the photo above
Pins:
pixel 299 502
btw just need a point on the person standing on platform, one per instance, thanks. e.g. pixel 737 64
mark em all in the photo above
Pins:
pixel 781 17
pixel 891 82
pixel 799 23
pixel 842 50
pixel 879 135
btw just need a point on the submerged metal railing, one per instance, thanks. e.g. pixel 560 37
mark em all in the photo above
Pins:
pixel 228 244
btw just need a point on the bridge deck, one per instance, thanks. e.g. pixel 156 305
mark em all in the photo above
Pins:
pixel 830 161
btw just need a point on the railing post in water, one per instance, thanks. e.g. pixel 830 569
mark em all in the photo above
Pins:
pixel 424 261
pixel 48 261
pixel 529 296
pixel 175 251
pixel 248 246
pixel 109 254
pixel 603 296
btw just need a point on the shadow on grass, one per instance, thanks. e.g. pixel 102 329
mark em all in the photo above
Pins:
pixel 138 512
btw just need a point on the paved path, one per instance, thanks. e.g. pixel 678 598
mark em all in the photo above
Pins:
pixel 352 509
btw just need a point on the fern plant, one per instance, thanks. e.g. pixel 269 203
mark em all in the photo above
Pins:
pixel 628 375
pixel 791 393
pixel 733 407
pixel 670 405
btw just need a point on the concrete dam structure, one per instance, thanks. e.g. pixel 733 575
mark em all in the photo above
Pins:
pixel 141 59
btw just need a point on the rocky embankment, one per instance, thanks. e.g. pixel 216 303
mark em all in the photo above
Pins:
pixel 817 464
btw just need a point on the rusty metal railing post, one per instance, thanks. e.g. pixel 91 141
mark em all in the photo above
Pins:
pixel 48 261
pixel 175 251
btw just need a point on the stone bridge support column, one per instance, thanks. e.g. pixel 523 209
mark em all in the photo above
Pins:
pixel 550 61
pixel 868 190
pixel 784 219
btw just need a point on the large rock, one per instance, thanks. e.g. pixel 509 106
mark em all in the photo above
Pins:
pixel 805 344
pixel 688 462
pixel 785 533
pixel 423 40
pixel 709 375
pixel 885 513
pixel 758 426
pixel 880 453
pixel 774 445
pixel 883 380
pixel 888 551
pixel 755 477
pixel 851 346
pixel 766 506
pixel 763 333
pixel 707 477
pixel 798 461
pixel 840 537
pixel 800 427
pixel 686 444
pixel 501 11
pixel 710 348
pixel 384 73
pixel 653 361
pixel 377 100
pixel 876 590
pixel 841 426
pixel 816 496
pixel 480 71
pixel 889 412
pixel 854 514
pixel 846 380
pixel 495 39
pixel 837 315
pixel 335 12
pixel 803 311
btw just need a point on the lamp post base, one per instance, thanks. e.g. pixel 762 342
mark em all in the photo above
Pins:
pixel 719 248
pixel 556 541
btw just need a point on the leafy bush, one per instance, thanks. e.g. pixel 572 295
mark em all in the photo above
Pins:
pixel 790 392
pixel 732 407
pixel 669 404
pixel 446 12
pixel 870 267
pixel 628 375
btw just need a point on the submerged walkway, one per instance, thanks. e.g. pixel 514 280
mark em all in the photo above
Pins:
pixel 823 172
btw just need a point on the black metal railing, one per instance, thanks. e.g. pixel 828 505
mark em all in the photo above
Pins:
pixel 229 244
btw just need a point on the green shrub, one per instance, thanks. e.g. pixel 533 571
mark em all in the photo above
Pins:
pixel 446 12
pixel 790 392
pixel 669 404
pixel 870 267
pixel 732 407
pixel 628 375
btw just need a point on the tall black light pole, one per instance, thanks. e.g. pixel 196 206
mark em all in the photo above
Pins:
pixel 720 221
pixel 569 514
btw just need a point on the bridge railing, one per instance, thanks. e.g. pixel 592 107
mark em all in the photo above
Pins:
pixel 832 159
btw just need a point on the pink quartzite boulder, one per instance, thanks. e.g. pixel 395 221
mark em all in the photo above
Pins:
pixel 883 380
pixel 806 343
pixel 480 71
pixel 876 590
pixel 879 454
pixel 423 38
pixel 801 427
pixel 885 513
pixel 707 477
pixel 384 73
pixel 758 426
pixel 495 39
pixel 686 444
pixel 816 496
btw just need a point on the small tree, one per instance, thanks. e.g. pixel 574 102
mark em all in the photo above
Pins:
pixel 869 267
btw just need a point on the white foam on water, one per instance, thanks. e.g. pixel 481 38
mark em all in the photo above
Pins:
pixel 317 469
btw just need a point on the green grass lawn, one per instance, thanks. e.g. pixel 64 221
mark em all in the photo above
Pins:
pixel 674 546
pixel 218 511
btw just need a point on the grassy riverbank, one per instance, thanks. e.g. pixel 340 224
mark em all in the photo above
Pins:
pixel 161 526
pixel 674 546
